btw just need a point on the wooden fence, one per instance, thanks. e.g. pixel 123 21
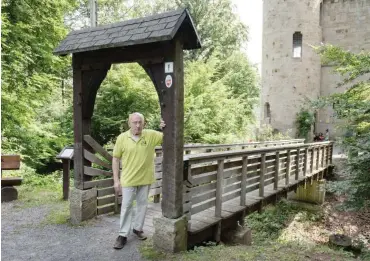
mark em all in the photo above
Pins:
pixel 101 170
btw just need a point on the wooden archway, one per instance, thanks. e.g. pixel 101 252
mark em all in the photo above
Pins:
pixel 153 42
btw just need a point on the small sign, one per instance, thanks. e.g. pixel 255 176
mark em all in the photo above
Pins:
pixel 168 67
pixel 168 81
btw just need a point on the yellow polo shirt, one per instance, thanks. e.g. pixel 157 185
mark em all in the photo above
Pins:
pixel 137 157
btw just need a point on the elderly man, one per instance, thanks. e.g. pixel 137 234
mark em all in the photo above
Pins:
pixel 135 148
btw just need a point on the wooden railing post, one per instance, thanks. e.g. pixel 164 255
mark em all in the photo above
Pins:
pixel 312 160
pixel 262 174
pixel 305 163
pixel 297 164
pixel 219 188
pixel 277 170
pixel 331 153
pixel 318 158
pixel 287 173
pixel 327 155
pixel 323 156
pixel 243 183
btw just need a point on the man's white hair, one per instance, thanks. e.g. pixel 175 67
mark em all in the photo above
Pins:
pixel 137 114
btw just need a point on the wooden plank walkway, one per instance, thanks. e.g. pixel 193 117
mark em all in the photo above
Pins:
pixel 206 218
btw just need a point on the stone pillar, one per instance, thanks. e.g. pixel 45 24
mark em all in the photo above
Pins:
pixel 83 204
pixel 170 234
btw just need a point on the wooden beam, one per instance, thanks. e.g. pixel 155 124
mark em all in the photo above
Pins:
pixel 297 164
pixel 219 188
pixel 66 171
pixel 94 159
pixel 244 181
pixel 277 170
pixel 262 175
pixel 305 163
pixel 287 173
pixel 318 158
pixel 98 148
pixel 172 107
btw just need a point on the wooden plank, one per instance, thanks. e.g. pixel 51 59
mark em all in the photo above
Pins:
pixel 97 147
pixel 232 180
pixel 105 191
pixel 262 175
pixel 200 207
pixel 94 159
pixel 231 195
pixel 199 189
pixel 155 191
pixel 243 183
pixel 106 200
pixel 105 209
pixel 318 158
pixel 297 164
pixel 312 160
pixel 219 188
pixel 202 197
pixel 10 162
pixel 99 183
pixel 156 184
pixel 96 172
pixel 11 181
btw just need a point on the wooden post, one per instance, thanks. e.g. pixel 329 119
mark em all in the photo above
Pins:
pixel 262 175
pixel 323 156
pixel 66 171
pixel 318 158
pixel 287 173
pixel 243 182
pixel 312 159
pixel 297 164
pixel 327 148
pixel 219 188
pixel 331 153
pixel 305 164
pixel 171 98
pixel 277 170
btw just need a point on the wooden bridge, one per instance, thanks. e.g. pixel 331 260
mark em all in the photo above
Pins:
pixel 222 183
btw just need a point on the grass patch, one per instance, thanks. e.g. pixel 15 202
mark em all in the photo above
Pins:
pixel 34 196
pixel 266 252
pixel 59 215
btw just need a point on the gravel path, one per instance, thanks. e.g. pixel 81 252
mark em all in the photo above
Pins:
pixel 24 237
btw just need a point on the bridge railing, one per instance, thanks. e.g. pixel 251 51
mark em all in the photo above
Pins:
pixel 192 149
pixel 213 178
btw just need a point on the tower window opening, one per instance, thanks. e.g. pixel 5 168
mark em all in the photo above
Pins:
pixel 267 113
pixel 297 45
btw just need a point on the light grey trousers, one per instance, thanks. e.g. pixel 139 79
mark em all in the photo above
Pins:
pixel 128 194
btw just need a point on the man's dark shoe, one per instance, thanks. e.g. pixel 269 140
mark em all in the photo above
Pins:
pixel 140 234
pixel 120 242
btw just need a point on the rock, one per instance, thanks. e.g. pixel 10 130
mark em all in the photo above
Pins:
pixel 170 235
pixel 8 193
pixel 83 205
pixel 340 240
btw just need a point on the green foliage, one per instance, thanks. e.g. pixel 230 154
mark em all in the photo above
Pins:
pixel 352 108
pixel 266 133
pixel 273 220
pixel 31 76
pixel 305 120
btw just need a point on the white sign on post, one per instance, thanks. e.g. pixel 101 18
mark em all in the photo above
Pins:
pixel 168 81
pixel 168 67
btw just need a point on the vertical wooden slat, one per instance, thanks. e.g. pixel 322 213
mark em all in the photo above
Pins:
pixel 312 160
pixel 305 163
pixel 327 155
pixel 262 175
pixel 243 182
pixel 297 164
pixel 331 153
pixel 287 173
pixel 323 156
pixel 219 188
pixel 318 158
pixel 277 170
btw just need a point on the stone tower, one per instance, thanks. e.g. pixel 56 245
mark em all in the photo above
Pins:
pixel 291 70
pixel 290 67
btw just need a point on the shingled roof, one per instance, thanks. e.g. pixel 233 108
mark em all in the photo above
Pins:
pixel 150 29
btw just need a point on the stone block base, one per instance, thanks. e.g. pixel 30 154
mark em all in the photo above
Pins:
pixel 170 235
pixel 241 236
pixel 8 193
pixel 83 204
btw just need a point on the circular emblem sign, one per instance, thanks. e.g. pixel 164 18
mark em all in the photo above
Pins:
pixel 168 81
